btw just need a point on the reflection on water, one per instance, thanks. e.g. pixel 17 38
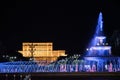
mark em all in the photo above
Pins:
pixel 56 78
pixel 87 78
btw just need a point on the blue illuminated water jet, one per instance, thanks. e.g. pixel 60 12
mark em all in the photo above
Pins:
pixel 98 38
pixel 100 24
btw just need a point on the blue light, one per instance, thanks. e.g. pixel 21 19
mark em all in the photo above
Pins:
pixel 100 22
pixel 98 38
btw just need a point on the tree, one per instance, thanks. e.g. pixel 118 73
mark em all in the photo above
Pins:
pixel 115 42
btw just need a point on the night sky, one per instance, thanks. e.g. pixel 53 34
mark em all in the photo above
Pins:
pixel 69 25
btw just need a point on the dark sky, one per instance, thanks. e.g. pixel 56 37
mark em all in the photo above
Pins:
pixel 69 25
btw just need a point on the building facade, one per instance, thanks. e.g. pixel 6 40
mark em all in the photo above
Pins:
pixel 42 51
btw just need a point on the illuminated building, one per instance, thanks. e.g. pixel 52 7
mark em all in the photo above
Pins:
pixel 42 51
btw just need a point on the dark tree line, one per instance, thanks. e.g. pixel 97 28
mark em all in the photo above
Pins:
pixel 7 54
pixel 115 42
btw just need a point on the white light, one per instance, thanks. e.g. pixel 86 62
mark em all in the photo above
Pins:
pixel 15 57
pixel 107 47
pixel 3 55
pixel 7 56
pixel 106 66
pixel 98 44
pixel 90 48
pixel 104 48
pixel 101 37
pixel 106 43
pixel 87 49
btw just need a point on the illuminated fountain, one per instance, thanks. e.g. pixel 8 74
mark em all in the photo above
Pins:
pixel 99 53
pixel 98 58
pixel 98 45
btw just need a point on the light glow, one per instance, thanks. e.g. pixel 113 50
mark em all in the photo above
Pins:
pixel 103 48
pixel 41 51
pixel 100 37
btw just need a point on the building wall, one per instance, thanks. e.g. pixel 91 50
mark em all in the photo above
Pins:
pixel 41 51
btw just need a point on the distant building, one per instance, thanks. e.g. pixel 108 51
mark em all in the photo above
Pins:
pixel 42 51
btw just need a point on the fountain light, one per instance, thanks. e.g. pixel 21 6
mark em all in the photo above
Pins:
pixel 99 48
pixel 100 37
